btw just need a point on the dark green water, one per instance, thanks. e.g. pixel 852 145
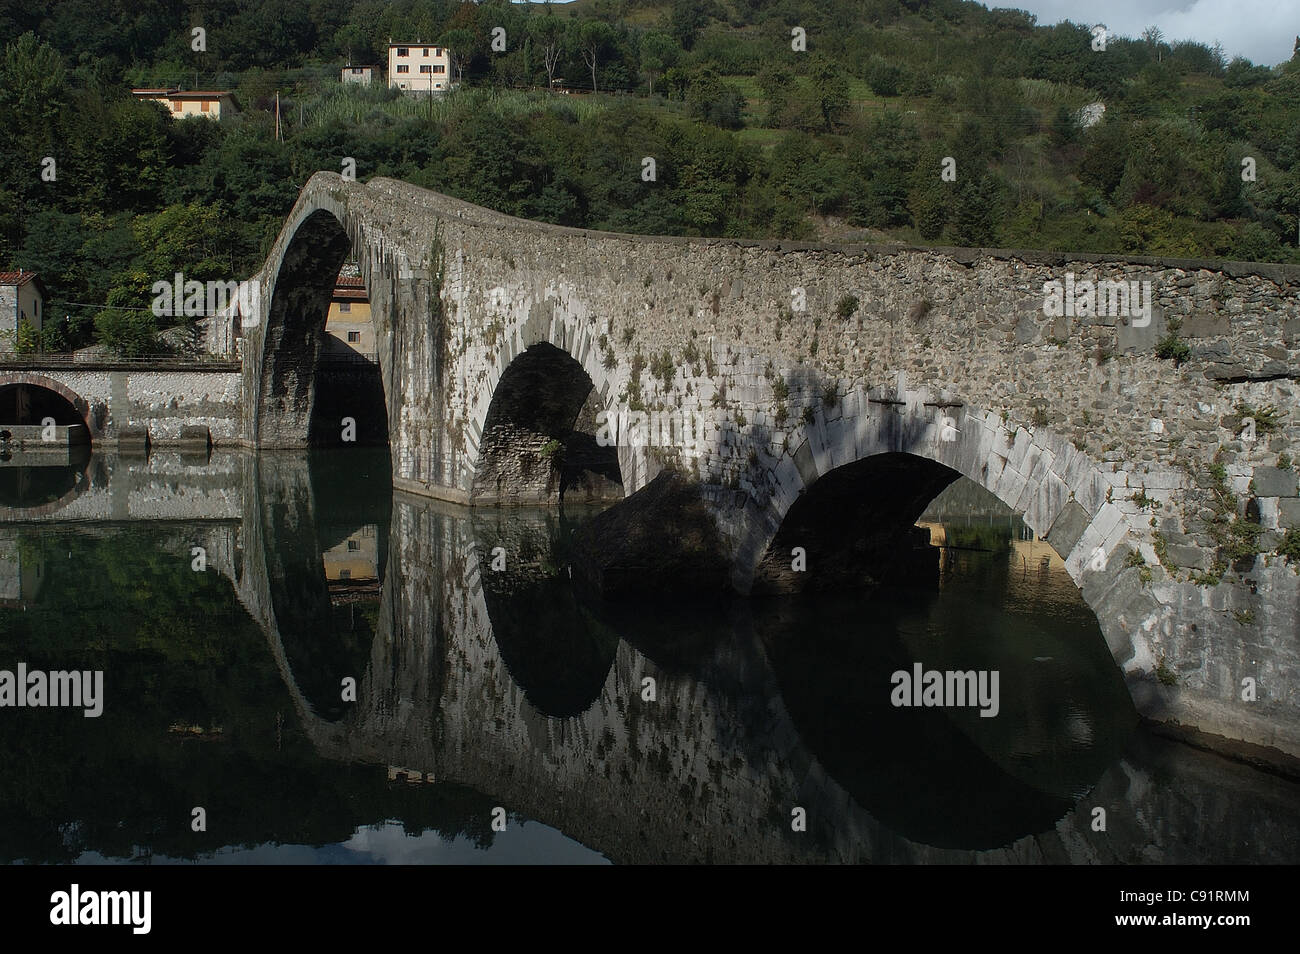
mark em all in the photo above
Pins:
pixel 486 696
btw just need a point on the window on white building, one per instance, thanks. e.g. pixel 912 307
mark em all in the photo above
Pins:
pixel 403 69
pixel 426 69
pixel 403 51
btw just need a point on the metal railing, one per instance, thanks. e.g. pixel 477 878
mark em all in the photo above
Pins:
pixel 46 359
pixel 347 359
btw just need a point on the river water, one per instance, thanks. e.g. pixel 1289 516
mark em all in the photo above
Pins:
pixel 302 666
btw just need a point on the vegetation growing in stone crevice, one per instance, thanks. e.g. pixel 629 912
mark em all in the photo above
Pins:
pixel 1171 347
pixel 1289 548
pixel 635 399
pixel 920 310
pixel 663 368
pixel 1161 546
pixel 1266 417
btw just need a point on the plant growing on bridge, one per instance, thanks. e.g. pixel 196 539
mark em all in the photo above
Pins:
pixel 691 353
pixel 846 307
pixel 663 367
pixel 1266 418
pixel 1161 546
pixel 635 402
pixel 1289 548
pixel 1171 347
pixel 1136 559
pixel 1143 501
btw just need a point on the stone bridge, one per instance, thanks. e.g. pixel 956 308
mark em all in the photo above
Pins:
pixel 832 393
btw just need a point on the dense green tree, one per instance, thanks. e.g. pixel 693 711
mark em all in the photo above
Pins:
pixel 658 52
pixel 976 212
pixel 830 91
pixel 685 21
pixel 711 100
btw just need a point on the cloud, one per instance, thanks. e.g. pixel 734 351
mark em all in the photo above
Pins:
pixel 1263 31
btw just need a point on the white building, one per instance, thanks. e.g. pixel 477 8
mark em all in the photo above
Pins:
pixel 417 68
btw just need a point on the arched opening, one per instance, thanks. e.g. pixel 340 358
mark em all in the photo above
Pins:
pixel 539 437
pixel 32 404
pixel 918 571
pixel 321 382
pixel 44 447
pixel 349 407
pixel 855 527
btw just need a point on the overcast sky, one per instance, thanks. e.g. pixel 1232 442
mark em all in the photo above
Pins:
pixel 1263 31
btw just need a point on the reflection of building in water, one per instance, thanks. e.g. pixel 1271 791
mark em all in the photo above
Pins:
pixel 397 773
pixel 971 524
pixel 20 576
pixel 352 566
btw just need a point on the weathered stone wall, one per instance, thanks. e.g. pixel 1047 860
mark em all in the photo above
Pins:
pixel 1132 465
pixel 164 402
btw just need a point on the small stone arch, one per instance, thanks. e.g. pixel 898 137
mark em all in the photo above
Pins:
pixel 33 379
pixel 566 344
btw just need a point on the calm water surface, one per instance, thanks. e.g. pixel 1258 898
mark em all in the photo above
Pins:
pixel 229 601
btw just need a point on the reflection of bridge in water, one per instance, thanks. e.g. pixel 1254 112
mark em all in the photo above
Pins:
pixel 510 684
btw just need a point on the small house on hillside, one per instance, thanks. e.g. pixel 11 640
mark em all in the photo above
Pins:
pixel 208 103
pixel 358 75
